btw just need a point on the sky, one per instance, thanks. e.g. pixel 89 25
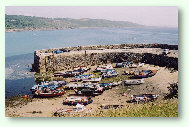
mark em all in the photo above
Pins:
pixel 164 16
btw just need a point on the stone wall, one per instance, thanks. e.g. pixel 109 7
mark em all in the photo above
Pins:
pixel 50 62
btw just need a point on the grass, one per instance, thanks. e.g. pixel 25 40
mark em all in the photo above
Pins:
pixel 152 109
pixel 17 101
pixel 164 109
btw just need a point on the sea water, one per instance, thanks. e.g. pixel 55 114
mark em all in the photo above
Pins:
pixel 21 45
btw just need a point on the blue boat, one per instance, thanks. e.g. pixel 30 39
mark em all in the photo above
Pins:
pixel 106 85
pixel 50 85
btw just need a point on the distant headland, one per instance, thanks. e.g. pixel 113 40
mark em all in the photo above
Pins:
pixel 32 23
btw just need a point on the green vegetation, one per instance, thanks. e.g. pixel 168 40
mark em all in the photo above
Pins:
pixel 163 109
pixel 155 109
pixel 20 22
pixel 17 101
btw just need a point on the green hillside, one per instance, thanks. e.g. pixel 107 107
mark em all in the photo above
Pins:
pixel 16 22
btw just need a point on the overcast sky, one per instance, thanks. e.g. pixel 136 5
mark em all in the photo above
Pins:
pixel 151 16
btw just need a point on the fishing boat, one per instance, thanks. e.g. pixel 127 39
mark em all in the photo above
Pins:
pixel 142 98
pixel 59 74
pixel 74 100
pixel 123 64
pixel 85 69
pixel 81 77
pixel 78 109
pixel 134 82
pixel 107 70
pixel 132 72
pixel 73 86
pixel 106 85
pixel 110 74
pixel 48 84
pixel 54 93
pixel 145 74
pixel 92 79
pixel 135 65
pixel 92 89
pixel 103 67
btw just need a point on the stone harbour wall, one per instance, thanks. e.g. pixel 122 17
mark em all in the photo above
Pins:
pixel 46 61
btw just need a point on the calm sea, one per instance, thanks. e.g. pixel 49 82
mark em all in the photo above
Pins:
pixel 21 45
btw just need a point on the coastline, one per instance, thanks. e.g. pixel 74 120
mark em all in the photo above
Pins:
pixel 52 29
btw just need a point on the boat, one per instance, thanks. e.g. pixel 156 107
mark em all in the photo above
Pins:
pixel 73 86
pixel 123 64
pixel 91 89
pixel 85 69
pixel 103 67
pixel 107 70
pixel 78 109
pixel 135 65
pixel 54 93
pixel 92 79
pixel 142 98
pixel 134 82
pixel 106 85
pixel 59 74
pixel 145 74
pixel 81 77
pixel 110 74
pixel 48 84
pixel 74 100
pixel 132 72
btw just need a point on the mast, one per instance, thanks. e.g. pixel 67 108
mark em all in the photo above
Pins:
pixel 85 57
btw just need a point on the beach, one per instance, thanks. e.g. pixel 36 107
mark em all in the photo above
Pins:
pixel 46 107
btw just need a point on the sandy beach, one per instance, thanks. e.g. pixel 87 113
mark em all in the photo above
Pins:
pixel 45 107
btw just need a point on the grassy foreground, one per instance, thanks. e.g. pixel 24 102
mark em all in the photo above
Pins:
pixel 156 109
pixel 164 109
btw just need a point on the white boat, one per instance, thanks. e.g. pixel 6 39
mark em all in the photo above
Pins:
pixel 116 83
pixel 135 65
pixel 110 74
pixel 72 86
pixel 92 79
pixel 134 82
pixel 79 109
pixel 143 98
pixel 103 68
